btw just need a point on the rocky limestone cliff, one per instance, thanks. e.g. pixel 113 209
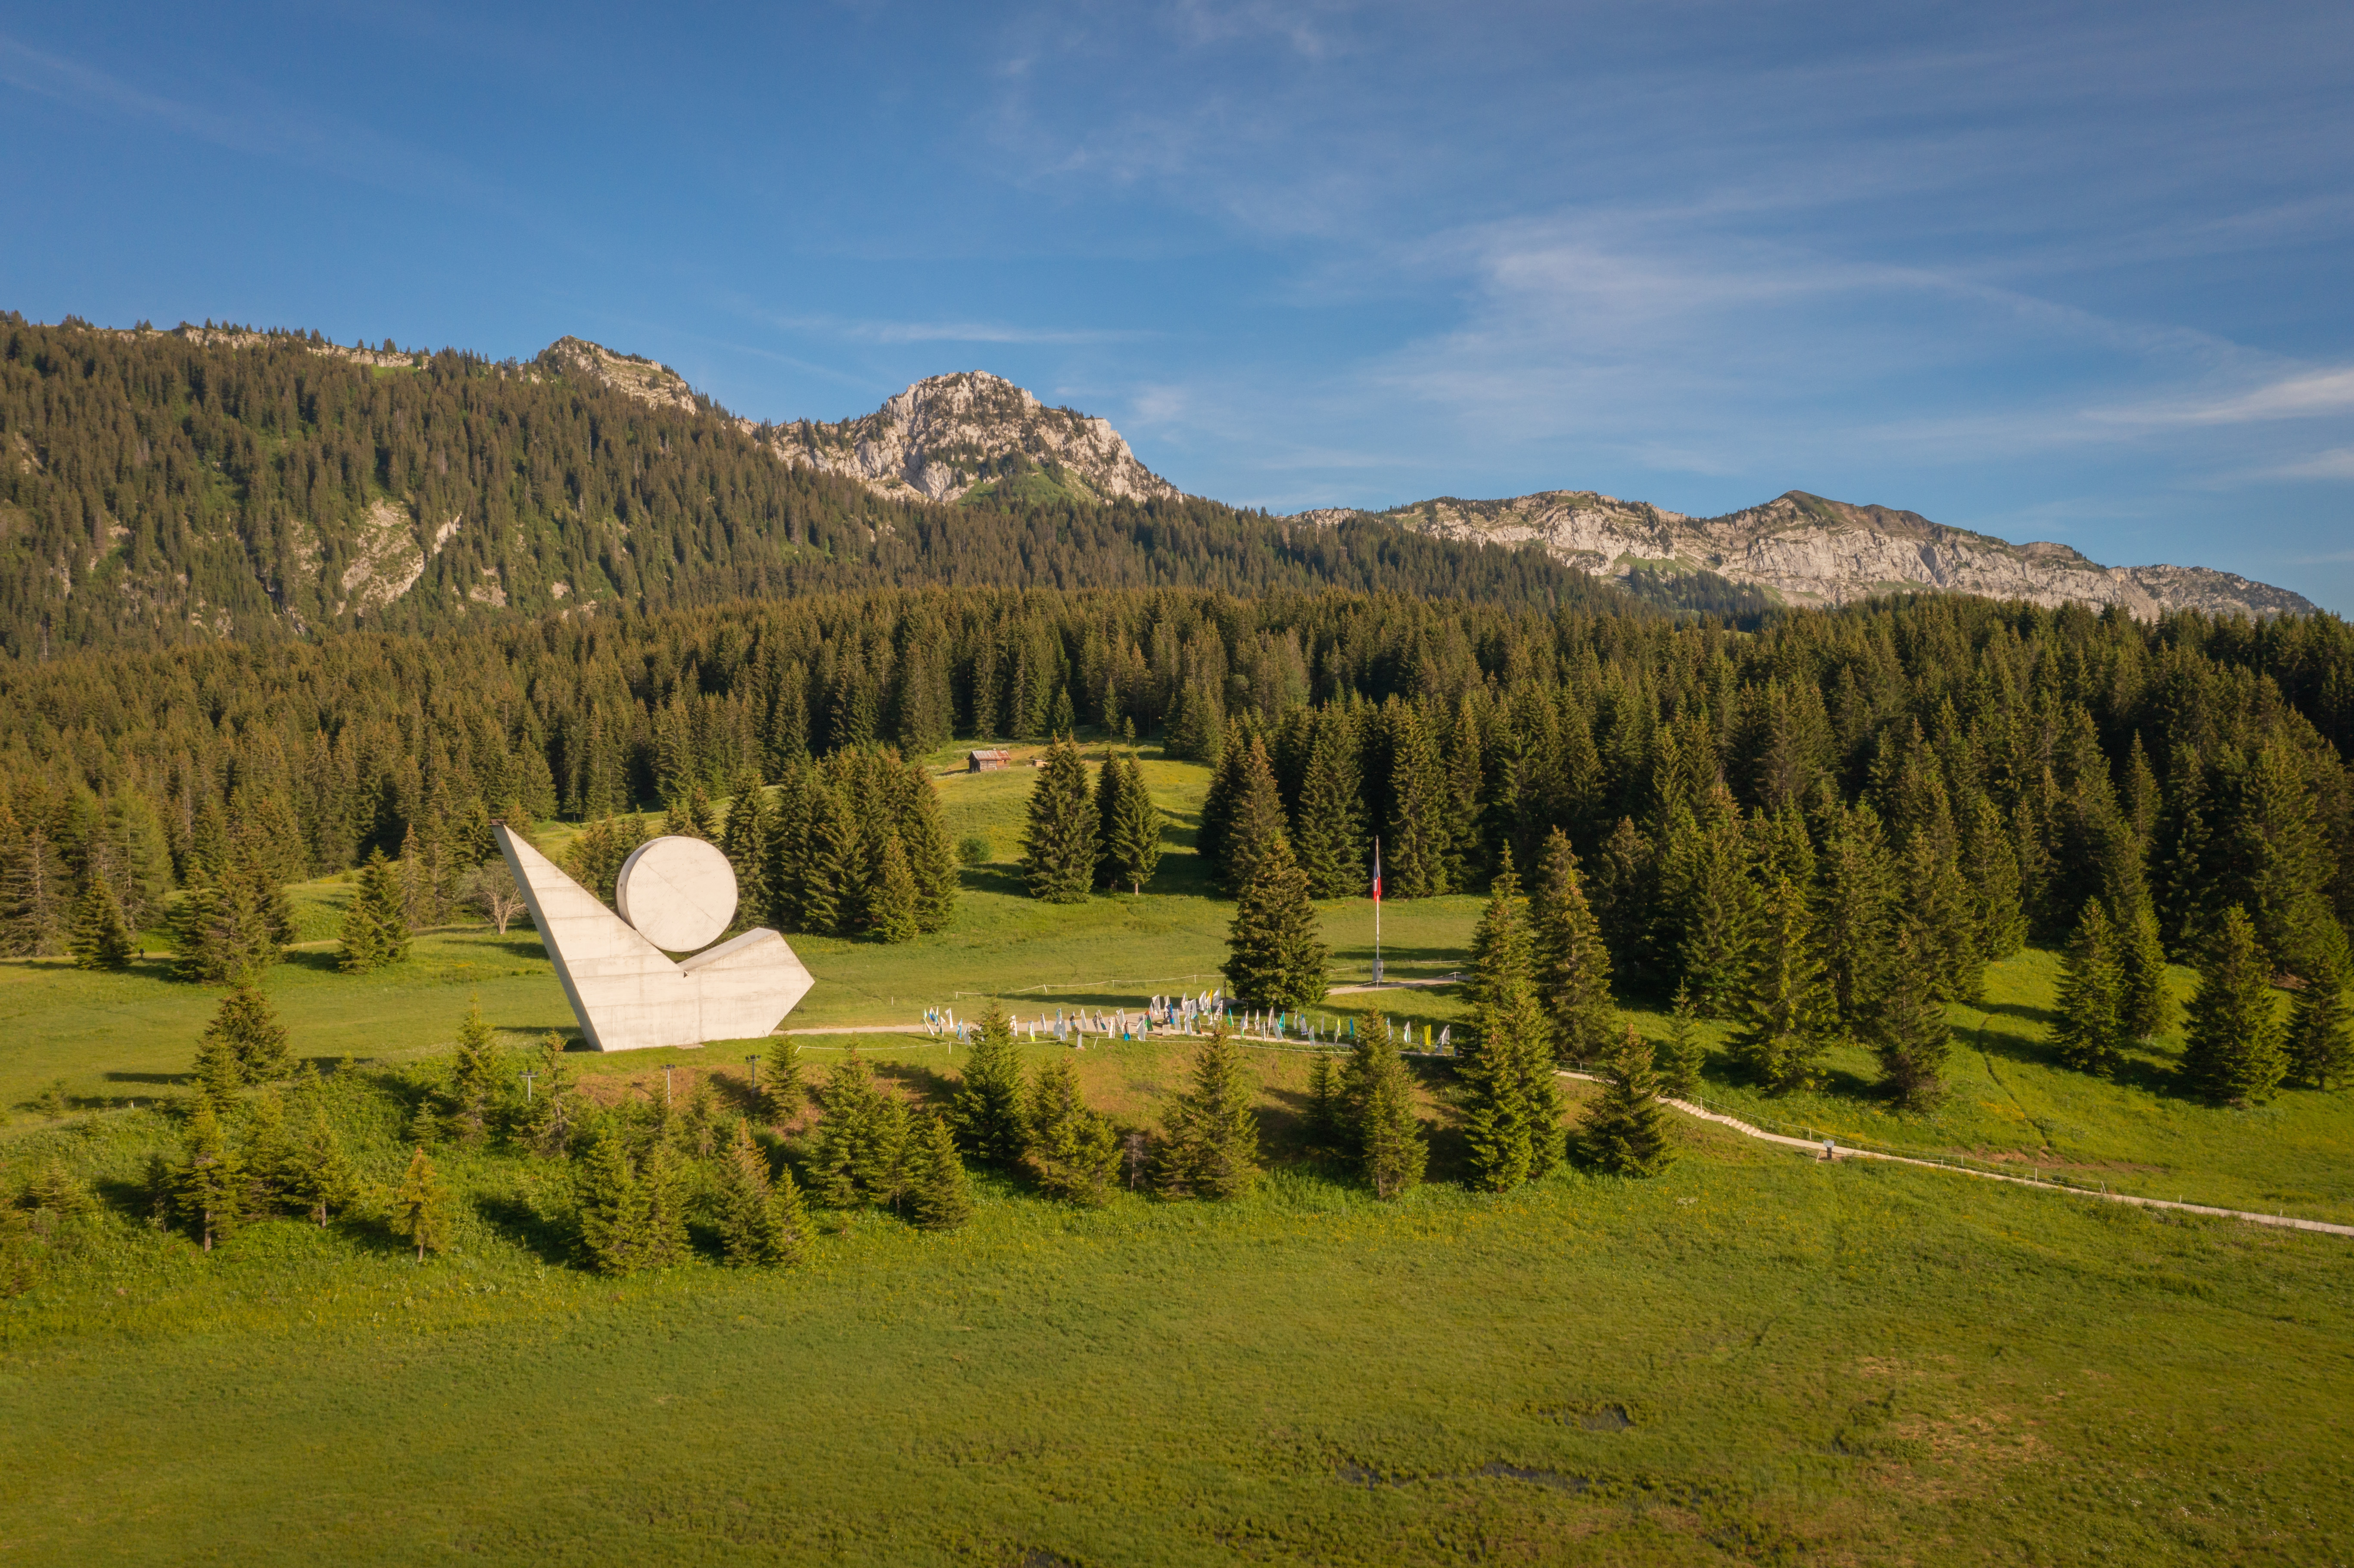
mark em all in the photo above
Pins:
pixel 947 434
pixel 627 373
pixel 1806 550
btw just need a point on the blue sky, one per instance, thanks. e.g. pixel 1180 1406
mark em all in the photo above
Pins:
pixel 2062 271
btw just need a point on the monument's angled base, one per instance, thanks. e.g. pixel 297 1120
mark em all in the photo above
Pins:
pixel 627 995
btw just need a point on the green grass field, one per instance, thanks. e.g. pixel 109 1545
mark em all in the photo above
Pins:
pixel 1755 1357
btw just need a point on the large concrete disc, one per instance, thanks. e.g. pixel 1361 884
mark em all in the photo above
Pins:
pixel 679 892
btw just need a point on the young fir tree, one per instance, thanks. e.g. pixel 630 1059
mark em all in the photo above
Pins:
pixel 1788 1015
pixel 862 1139
pixel 1624 1130
pixel 938 1197
pixel 1323 1121
pixel 1227 767
pixel 1074 1151
pixel 2144 1009
pixel 1908 1032
pixel 1374 1107
pixel 822 888
pixel 1329 830
pixel 2320 1051
pixel 376 924
pixel 420 1209
pixel 987 1109
pixel 247 1026
pixel 1210 1139
pixel 321 1178
pixel 891 915
pixel 1058 855
pixel 1276 955
pixel 1684 1057
pixel 2091 997
pixel 218 1073
pixel 101 938
pixel 477 1077
pixel 662 1193
pixel 1573 972
pixel 1132 842
pixel 761 1220
pixel 782 1093
pixel 209 1186
pixel 1514 1124
pixel 1856 915
pixel 269 1156
pixel 2231 1038
pixel 1935 907
pixel 1504 919
pixel 612 1218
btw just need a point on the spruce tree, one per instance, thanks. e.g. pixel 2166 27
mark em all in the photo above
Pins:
pixel 1788 1016
pixel 1329 833
pixel 1990 870
pixel 1132 828
pixel 1935 907
pixel 661 1192
pixel 209 1186
pixel 1513 1121
pixel 245 1033
pixel 321 1178
pixel 1572 966
pixel 1503 919
pixel 1624 1130
pixel 745 842
pixel 931 859
pixel 891 915
pixel 269 1156
pixel 1685 1056
pixel 2232 1039
pixel 1420 839
pixel 1324 1119
pixel 1058 859
pixel 1373 1105
pixel 1276 955
pixel 477 1076
pixel 987 1109
pixel 1707 888
pixel 2144 1009
pixel 101 938
pixel 1255 828
pixel 847 1108
pixel 611 1216
pixel 2320 1051
pixel 940 1198
pixel 34 897
pixel 1227 772
pixel 822 888
pixel 1908 1032
pixel 1856 915
pixel 218 1073
pixel 782 1093
pixel 1210 1139
pixel 2091 997
pixel 420 1209
pixel 758 1225
pixel 1622 898
pixel 376 923
pixel 1074 1151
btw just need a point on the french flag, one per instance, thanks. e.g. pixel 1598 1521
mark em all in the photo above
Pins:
pixel 1377 871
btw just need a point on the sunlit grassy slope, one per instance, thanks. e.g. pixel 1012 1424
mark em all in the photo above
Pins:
pixel 1754 1359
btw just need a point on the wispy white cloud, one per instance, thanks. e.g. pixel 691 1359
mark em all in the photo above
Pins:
pixel 2300 395
pixel 2335 463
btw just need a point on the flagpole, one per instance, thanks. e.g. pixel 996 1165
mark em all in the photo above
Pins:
pixel 1377 909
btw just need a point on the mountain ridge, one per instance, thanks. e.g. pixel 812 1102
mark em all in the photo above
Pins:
pixel 953 436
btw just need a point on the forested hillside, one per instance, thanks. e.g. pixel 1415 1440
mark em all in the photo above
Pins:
pixel 2000 765
pixel 161 488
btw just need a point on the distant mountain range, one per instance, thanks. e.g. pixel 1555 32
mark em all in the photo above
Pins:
pixel 948 436
pixel 214 482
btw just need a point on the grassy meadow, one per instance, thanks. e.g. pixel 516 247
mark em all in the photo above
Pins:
pixel 1754 1359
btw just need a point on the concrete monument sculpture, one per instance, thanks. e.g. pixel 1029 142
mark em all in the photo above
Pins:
pixel 675 894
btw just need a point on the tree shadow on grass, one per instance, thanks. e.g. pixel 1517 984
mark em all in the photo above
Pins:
pixel 2024 1011
pixel 993 877
pixel 115 1077
pixel 326 963
pixel 547 1239
pixel 927 1085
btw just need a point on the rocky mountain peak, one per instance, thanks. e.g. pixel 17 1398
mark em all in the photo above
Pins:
pixel 948 436
pixel 631 374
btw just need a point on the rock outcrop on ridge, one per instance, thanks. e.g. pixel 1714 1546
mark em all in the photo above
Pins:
pixel 1806 550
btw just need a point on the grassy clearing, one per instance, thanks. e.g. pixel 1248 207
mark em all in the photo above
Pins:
pixel 1754 1359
